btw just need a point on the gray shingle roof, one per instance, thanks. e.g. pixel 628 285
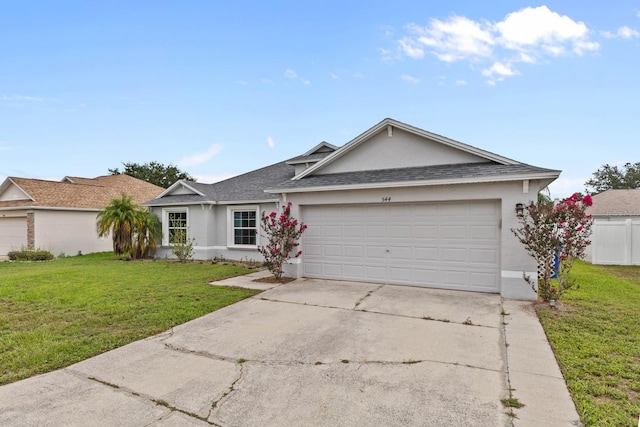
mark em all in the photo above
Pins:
pixel 245 187
pixel 616 202
pixel 421 173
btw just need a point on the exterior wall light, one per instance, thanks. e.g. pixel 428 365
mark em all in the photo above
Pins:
pixel 519 210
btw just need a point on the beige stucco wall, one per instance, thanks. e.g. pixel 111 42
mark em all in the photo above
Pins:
pixel 69 232
pixel 401 150
pixel 513 259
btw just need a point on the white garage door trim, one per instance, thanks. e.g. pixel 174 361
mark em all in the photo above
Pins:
pixel 13 234
pixel 449 245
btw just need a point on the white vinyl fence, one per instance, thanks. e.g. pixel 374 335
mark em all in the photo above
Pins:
pixel 615 242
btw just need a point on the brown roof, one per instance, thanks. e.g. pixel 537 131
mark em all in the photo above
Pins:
pixel 83 193
pixel 616 202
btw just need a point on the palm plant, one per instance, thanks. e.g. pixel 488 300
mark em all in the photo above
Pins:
pixel 147 229
pixel 133 229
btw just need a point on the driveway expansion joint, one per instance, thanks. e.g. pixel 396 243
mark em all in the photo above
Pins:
pixel 507 373
pixel 360 310
pixel 367 295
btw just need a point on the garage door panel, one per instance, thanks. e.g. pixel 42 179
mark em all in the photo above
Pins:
pixel 454 277
pixel 484 256
pixel 445 245
pixel 353 231
pixel 353 271
pixel 426 232
pixel 351 251
pixel 333 250
pixel 379 231
pixel 427 254
pixel 311 249
pixel 400 232
pixel 401 275
pixel 454 255
pixel 332 231
pixel 376 252
pixel 331 270
pixel 484 280
pixel 456 232
pixel 483 232
pixel 400 253
pixel 375 273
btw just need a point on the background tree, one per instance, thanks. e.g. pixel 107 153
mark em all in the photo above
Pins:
pixel 614 178
pixel 153 172
pixel 133 229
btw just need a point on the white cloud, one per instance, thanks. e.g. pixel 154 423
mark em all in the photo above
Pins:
pixel 500 70
pixel 270 142
pixel 564 187
pixel 410 79
pixel 524 36
pixel 290 74
pixel 453 39
pixel 266 81
pixel 411 48
pixel 622 33
pixel 358 75
pixel 198 159
pixel 539 26
pixel 210 179
pixel 461 82
pixel 335 76
pixel 242 82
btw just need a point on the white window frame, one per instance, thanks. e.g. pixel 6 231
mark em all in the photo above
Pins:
pixel 165 223
pixel 231 226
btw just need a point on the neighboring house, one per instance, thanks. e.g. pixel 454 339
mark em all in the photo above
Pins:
pixel 60 216
pixel 395 205
pixel 616 229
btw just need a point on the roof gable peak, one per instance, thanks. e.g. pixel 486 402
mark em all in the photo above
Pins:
pixel 390 125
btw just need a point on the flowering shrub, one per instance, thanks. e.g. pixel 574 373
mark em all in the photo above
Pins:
pixel 559 230
pixel 282 232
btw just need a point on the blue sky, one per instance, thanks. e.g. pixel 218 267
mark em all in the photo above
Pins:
pixel 221 89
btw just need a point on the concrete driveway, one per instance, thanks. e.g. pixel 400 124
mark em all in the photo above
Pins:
pixel 316 353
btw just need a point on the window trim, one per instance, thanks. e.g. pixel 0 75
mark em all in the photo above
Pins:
pixel 165 223
pixel 231 227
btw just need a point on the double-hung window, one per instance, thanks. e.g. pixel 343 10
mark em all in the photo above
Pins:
pixel 175 224
pixel 244 225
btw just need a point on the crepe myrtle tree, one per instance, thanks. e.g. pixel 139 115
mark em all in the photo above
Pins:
pixel 551 230
pixel 282 233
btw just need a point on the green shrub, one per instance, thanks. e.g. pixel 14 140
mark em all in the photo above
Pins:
pixel 30 255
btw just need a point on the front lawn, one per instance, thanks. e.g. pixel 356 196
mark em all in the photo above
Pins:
pixel 595 335
pixel 54 314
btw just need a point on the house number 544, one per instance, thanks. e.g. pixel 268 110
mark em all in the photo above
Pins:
pixel 386 199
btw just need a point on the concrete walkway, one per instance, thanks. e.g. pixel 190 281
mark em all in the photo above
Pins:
pixel 316 353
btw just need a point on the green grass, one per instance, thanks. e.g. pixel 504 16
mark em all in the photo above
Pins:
pixel 54 314
pixel 596 339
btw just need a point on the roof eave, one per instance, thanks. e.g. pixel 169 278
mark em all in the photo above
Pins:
pixel 422 183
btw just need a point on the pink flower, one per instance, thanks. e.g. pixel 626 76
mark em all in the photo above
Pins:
pixel 587 200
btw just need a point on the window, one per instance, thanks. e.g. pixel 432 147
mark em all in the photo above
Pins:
pixel 244 224
pixel 174 224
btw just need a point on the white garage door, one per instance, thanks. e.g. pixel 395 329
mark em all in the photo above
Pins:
pixel 13 234
pixel 440 245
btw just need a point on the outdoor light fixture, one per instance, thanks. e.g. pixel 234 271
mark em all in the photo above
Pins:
pixel 519 210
